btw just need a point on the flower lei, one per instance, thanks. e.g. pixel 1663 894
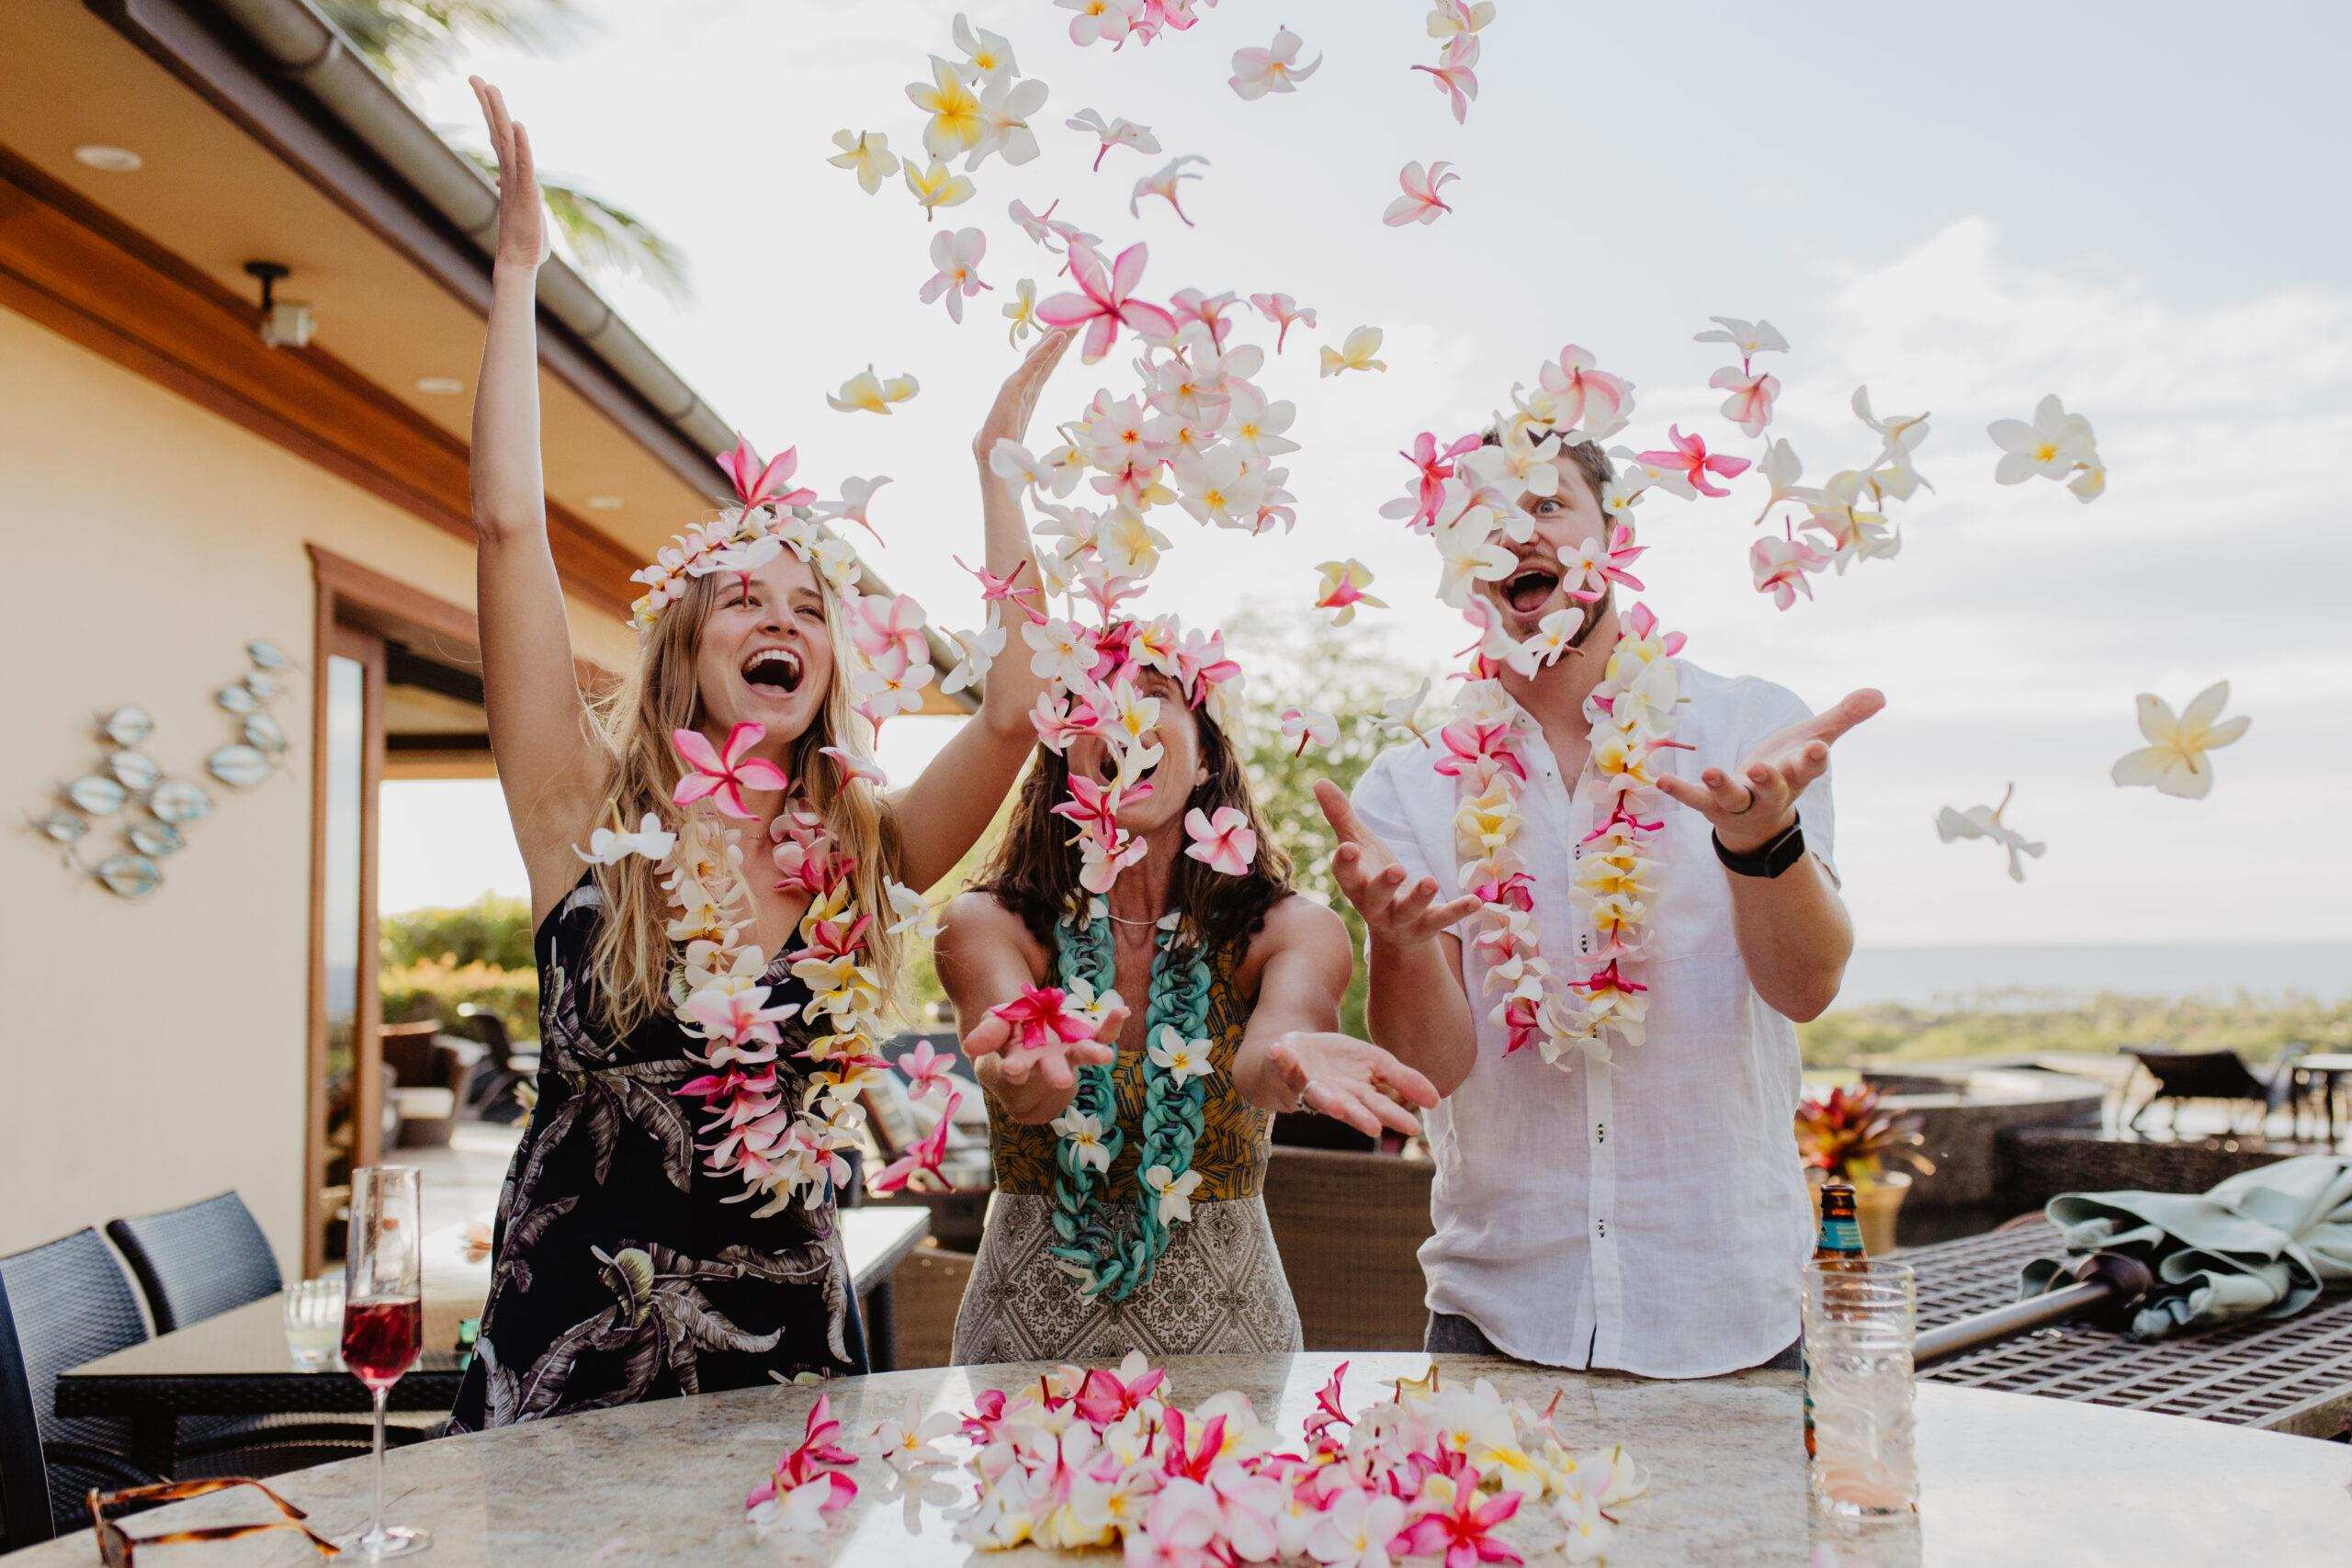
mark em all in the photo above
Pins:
pixel 1175 1096
pixel 1086 1458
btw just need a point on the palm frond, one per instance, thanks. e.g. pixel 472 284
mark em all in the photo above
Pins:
pixel 407 39
pixel 603 240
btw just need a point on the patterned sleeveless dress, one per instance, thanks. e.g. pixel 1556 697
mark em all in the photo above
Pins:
pixel 619 1271
pixel 1218 1289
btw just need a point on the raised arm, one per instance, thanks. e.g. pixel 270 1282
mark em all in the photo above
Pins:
pixel 1293 1055
pixel 1417 1007
pixel 986 958
pixel 946 809
pixel 549 763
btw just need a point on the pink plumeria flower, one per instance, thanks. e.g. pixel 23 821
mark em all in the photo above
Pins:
pixel 888 631
pixel 1750 403
pixel 1448 17
pixel 1042 1016
pixel 924 1156
pixel 1190 306
pixel 1596 566
pixel 737 1019
pixel 1184 1530
pixel 724 773
pixel 1114 133
pixel 1106 1396
pixel 1101 858
pixel 759 483
pixel 1422 201
pixel 856 496
pixel 1434 468
pixel 1455 72
pixel 1463 1531
pixel 855 767
pixel 1780 567
pixel 1225 842
pixel 1309 727
pixel 1275 68
pixel 956 255
pixel 1282 310
pixel 1688 463
pixel 926 1068
pixel 1342 589
pixel 1582 395
pixel 1004 590
pixel 1163 183
pixel 1105 301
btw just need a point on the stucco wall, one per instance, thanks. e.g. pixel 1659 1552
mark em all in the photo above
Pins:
pixel 152 1053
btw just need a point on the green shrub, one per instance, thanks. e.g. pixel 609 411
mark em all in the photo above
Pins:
pixel 491 930
pixel 436 988
pixel 2255 1027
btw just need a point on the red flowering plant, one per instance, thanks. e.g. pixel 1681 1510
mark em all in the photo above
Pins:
pixel 1850 1136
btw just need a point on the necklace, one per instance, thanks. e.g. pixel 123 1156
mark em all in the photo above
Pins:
pixel 1174 1098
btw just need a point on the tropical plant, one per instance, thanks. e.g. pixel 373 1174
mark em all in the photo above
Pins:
pixel 413 40
pixel 1850 1137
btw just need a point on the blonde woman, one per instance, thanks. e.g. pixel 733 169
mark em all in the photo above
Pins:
pixel 668 1224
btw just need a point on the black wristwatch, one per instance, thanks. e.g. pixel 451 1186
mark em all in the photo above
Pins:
pixel 1767 860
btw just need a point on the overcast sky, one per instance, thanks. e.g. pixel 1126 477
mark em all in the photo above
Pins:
pixel 1965 208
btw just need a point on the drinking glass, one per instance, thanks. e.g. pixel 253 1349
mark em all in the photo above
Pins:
pixel 313 1322
pixel 383 1320
pixel 1858 1337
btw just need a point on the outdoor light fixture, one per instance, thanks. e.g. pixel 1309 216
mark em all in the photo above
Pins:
pixel 285 323
pixel 113 160
pixel 440 386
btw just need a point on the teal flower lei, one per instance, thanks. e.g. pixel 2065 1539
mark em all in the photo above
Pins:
pixel 1105 1264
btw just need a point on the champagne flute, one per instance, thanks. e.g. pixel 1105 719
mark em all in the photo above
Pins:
pixel 383 1320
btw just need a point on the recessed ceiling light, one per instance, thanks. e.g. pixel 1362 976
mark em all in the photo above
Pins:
pixel 605 503
pixel 113 160
pixel 440 386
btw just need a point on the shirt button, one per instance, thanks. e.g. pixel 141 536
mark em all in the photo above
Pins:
pixel 1601 1132
pixel 1604 1226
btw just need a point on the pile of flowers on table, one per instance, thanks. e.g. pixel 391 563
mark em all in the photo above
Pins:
pixel 1091 1458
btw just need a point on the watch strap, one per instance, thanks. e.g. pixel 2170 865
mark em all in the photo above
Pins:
pixel 1767 860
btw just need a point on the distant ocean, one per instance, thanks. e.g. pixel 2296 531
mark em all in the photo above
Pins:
pixel 2029 978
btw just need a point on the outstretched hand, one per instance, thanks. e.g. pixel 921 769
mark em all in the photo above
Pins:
pixel 1057 1064
pixel 1016 400
pixel 522 216
pixel 1752 807
pixel 1394 911
pixel 1352 1080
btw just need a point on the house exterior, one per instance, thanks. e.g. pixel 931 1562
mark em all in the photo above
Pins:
pixel 172 488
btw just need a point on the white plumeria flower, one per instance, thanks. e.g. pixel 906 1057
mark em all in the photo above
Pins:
pixel 2054 445
pixel 1401 716
pixel 1449 17
pixel 1114 133
pixel 798 1511
pixel 979 650
pixel 1257 71
pixel 987 56
pixel 1062 653
pixel 1355 354
pixel 1128 543
pixel 956 253
pixel 1748 337
pixel 606 846
pixel 868 154
pixel 856 496
pixel 1587 1531
pixel 1469 554
pixel 2174 761
pixel 1310 726
pixel 1175 1193
pixel 904 1442
pixel 1219 487
pixel 911 914
pixel 1021 311
pixel 884 691
pixel 1181 1059
pixel 1984 822
pixel 1013 463
pixel 1083 1131
pixel 1554 636
pixel 1005 109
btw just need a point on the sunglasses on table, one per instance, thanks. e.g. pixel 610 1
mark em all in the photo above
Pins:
pixel 115 1547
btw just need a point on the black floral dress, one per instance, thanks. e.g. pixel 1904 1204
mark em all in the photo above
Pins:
pixel 619 1270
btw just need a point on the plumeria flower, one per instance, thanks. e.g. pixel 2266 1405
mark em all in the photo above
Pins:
pixel 2174 760
pixel 1163 184
pixel 868 154
pixel 1043 1016
pixel 1687 465
pixel 924 1155
pixel 865 391
pixel 1449 18
pixel 926 1068
pixel 1342 589
pixel 1105 301
pixel 802 1509
pixel 1780 567
pixel 1355 354
pixel 1358 1531
pixel 905 1442
pixel 855 497
pixel 1588 1527
pixel 1984 822
pixel 1401 716
pixel 608 847
pixel 1750 403
pixel 1462 1531
pixel 1257 71
pixel 760 482
pixel 1098 21
pixel 1469 555
pixel 1455 72
pixel 1005 109
pixel 855 767
pixel 1114 133
pixel 2055 444
pixel 1181 1059
pixel 1175 1193
pixel 979 650
pixel 1751 338
pixel 987 56
pixel 911 915
pixel 936 186
pixel 722 775
pixel 1256 426
pixel 1221 489
pixel 1282 311
pixel 1021 311
pixel 954 109
pixel 1225 842
pixel 1309 727
pixel 1006 589
pixel 1423 200
pixel 1584 396
pixel 956 255
pixel 1083 1133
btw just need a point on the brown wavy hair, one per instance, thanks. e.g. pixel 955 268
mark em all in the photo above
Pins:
pixel 1033 872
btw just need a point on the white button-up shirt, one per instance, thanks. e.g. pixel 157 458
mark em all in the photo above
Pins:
pixel 1647 1214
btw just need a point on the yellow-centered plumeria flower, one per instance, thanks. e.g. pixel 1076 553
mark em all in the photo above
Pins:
pixel 2174 761
pixel 1485 822
pixel 1343 589
pixel 955 123
pixel 868 154
pixel 1355 354
pixel 936 186
pixel 1021 311
pixel 867 392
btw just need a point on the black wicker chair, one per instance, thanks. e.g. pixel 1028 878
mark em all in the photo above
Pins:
pixel 2181 1076
pixel 199 1261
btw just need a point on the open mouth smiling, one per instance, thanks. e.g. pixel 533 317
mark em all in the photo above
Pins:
pixel 777 669
pixel 1527 589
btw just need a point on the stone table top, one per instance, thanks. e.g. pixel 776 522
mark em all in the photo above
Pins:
pixel 2005 1478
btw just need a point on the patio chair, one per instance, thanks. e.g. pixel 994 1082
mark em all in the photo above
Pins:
pixel 429 1077
pixel 196 1261
pixel 1350 1226
pixel 2222 1076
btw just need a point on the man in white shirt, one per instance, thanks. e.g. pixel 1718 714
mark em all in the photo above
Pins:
pixel 1645 1213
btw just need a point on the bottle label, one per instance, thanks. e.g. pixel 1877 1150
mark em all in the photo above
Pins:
pixel 1841 1236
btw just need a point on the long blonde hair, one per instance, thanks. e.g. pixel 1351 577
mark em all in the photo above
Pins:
pixel 632 955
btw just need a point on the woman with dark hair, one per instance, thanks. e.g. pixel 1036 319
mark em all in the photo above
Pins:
pixel 1130 1137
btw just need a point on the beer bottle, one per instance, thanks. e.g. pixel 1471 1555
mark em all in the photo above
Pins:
pixel 1838 1246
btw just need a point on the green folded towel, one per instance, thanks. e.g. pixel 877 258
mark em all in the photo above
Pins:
pixel 2262 1244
